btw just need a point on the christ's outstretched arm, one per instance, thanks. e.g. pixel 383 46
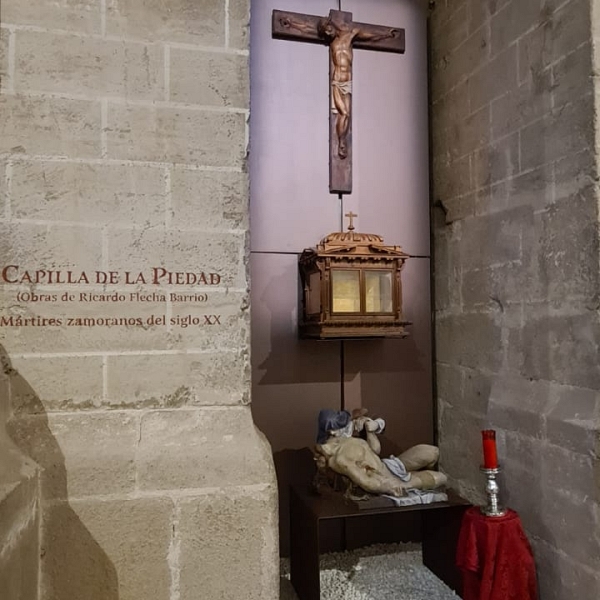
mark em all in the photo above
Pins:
pixel 301 26
pixel 366 36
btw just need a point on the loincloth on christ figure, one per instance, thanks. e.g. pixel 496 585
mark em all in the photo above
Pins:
pixel 345 87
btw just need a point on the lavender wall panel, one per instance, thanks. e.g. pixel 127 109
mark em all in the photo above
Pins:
pixel 291 379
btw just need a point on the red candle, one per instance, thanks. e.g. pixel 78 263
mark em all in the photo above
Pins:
pixel 490 455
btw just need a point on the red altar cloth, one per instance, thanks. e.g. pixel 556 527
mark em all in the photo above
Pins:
pixel 495 558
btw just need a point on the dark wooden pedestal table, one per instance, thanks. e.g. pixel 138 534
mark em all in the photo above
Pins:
pixel 440 526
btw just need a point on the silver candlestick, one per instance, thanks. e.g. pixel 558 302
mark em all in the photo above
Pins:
pixel 493 508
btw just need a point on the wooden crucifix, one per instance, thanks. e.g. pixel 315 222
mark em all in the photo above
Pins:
pixel 342 35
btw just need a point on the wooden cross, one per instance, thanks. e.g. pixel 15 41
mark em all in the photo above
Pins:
pixel 342 35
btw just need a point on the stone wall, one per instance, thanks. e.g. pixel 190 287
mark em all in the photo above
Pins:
pixel 123 149
pixel 517 267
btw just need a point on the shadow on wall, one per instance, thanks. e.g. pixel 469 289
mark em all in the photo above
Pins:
pixel 297 361
pixel 73 565
pixel 291 360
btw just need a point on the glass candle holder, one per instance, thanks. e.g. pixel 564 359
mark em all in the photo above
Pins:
pixel 490 453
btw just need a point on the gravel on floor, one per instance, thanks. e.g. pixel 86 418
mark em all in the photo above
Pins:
pixel 379 572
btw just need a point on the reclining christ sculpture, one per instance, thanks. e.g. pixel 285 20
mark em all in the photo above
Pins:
pixel 358 460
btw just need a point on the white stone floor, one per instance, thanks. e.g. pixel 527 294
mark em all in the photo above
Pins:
pixel 381 572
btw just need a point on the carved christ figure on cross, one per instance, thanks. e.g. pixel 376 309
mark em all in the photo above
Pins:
pixel 342 35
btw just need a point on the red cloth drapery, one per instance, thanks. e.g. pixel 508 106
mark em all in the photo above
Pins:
pixel 495 558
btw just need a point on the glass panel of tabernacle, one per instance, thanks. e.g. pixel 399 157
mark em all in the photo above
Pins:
pixel 378 286
pixel 345 287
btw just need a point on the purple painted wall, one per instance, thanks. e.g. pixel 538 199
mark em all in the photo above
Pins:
pixel 291 209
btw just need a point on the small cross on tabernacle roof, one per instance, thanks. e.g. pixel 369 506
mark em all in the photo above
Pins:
pixel 351 216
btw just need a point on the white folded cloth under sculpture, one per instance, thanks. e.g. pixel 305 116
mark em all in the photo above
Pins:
pixel 418 497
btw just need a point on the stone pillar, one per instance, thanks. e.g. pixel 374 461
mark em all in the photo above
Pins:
pixel 19 508
pixel 517 267
pixel 123 145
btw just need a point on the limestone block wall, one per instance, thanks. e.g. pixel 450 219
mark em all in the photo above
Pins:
pixel 517 267
pixel 123 141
